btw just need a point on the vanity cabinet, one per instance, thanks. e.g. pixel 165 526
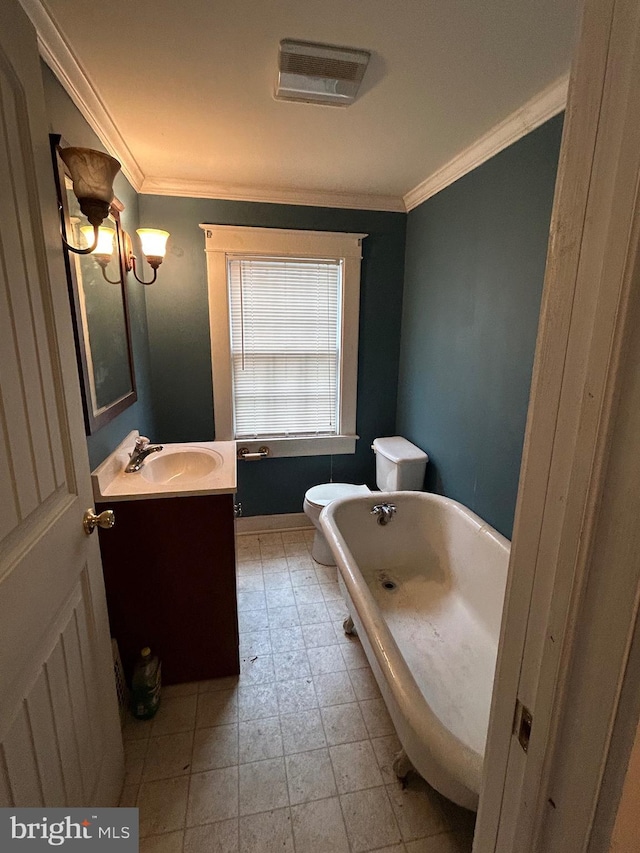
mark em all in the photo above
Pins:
pixel 169 568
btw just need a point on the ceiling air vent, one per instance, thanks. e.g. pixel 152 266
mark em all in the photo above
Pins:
pixel 319 73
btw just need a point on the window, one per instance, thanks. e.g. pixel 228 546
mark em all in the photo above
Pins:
pixel 283 309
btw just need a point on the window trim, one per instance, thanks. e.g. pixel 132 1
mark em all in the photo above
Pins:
pixel 224 240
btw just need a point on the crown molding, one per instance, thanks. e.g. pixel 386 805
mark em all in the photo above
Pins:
pixel 56 52
pixel 543 106
pixel 271 195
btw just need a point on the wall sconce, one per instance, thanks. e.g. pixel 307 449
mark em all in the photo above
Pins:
pixel 92 173
pixel 154 246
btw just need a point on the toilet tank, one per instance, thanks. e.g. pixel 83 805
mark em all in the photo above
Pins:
pixel 399 464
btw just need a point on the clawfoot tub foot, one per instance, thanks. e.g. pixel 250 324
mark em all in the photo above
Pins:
pixel 402 766
pixel 349 627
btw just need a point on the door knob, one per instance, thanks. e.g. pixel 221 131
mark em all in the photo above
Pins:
pixel 90 520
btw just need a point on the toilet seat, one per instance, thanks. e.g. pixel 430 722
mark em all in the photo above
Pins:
pixel 320 496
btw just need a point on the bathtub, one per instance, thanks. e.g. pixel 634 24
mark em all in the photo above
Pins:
pixel 425 592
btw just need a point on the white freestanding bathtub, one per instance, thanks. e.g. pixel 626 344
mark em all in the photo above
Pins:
pixel 425 592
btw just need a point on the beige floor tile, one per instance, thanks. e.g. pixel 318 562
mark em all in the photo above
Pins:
pixel 260 739
pixel 376 718
pixel 175 715
pixel 326 574
pixel 162 805
pixel 251 601
pixel 217 708
pixel 353 654
pixel 310 776
pixel 318 827
pixel 213 796
pixel 263 786
pixel 418 809
pixel 129 797
pixel 337 610
pixel 338 627
pixel 395 848
pixel 267 833
pixel 256 669
pixel 331 591
pixel 283 617
pixel 216 685
pixel 316 636
pixel 291 664
pixel 369 819
pixel 257 702
pixel 326 659
pixel 386 748
pixel 252 620
pixel 277 580
pixel 252 582
pixel 334 688
pixel 343 724
pixel 446 842
pixel 303 576
pixel 281 597
pixel 249 568
pixel 255 643
pixel 364 683
pixel 220 837
pixel 134 755
pixel 303 731
pixel 215 747
pixel 312 614
pixel 287 639
pixel 170 842
pixel 296 694
pixel 137 729
pixel 311 594
pixel 355 766
pixel 171 691
pixel 167 756
pixel 273 564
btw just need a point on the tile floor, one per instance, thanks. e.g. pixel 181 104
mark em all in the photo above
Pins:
pixel 295 754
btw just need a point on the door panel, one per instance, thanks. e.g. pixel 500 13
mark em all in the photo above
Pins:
pixel 60 740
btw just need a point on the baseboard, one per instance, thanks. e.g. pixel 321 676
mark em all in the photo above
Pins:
pixel 272 523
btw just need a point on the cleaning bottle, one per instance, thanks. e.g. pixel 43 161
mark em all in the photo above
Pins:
pixel 145 685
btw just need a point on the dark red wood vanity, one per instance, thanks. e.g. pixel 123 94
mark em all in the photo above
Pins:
pixel 169 568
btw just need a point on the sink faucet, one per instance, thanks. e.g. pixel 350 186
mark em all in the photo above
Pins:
pixel 141 450
pixel 384 512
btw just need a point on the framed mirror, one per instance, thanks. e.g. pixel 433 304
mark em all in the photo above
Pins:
pixel 99 309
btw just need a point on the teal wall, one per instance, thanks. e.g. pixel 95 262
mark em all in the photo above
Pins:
pixel 65 119
pixel 474 269
pixel 178 318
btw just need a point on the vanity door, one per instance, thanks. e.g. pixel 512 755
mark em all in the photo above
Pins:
pixel 60 742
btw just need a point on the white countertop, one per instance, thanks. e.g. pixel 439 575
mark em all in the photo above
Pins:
pixel 111 483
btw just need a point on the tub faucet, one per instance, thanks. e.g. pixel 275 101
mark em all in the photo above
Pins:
pixel 384 512
pixel 141 450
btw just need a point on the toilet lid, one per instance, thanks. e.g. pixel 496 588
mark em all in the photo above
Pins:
pixel 327 492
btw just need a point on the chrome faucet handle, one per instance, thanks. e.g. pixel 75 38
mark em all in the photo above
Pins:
pixel 141 442
pixel 384 512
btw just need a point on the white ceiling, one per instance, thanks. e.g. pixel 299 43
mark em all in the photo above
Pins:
pixel 189 87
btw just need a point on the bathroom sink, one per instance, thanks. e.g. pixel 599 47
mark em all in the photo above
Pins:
pixel 178 470
pixel 180 465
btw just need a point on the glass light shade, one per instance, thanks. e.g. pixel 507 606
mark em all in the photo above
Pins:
pixel 92 172
pixel 106 237
pixel 154 241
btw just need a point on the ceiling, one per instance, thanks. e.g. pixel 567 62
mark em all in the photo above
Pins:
pixel 184 91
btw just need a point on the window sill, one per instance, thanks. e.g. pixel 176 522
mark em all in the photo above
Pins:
pixel 321 446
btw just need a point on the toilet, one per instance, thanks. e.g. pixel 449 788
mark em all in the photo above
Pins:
pixel 400 465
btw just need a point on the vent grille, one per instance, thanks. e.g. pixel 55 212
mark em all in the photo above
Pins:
pixel 320 66
pixel 319 73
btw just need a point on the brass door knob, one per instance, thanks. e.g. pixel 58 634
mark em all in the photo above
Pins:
pixel 90 520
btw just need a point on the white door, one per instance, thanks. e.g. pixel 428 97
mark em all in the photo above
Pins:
pixel 60 740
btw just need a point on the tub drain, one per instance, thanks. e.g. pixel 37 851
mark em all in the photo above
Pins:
pixel 387 584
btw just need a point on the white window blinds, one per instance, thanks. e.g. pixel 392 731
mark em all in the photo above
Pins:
pixel 285 345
